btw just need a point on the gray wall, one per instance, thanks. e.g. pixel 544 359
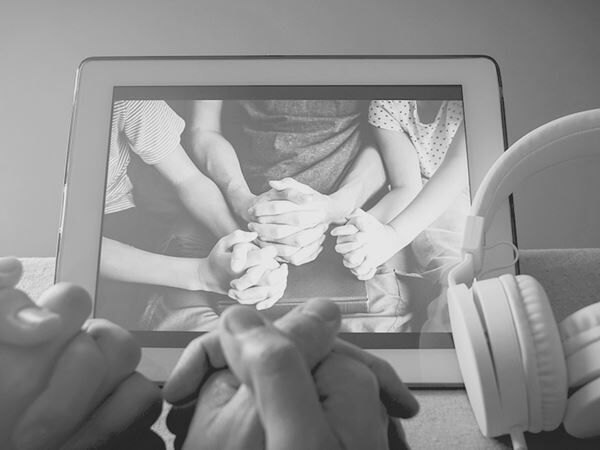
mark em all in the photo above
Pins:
pixel 548 52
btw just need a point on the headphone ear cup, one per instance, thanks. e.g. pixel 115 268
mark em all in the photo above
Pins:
pixel 475 360
pixel 580 329
pixel 543 358
pixel 491 301
pixel 581 340
pixel 583 410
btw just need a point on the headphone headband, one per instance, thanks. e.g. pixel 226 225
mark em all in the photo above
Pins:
pixel 540 149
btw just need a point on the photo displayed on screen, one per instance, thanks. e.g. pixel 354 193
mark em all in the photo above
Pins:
pixel 270 196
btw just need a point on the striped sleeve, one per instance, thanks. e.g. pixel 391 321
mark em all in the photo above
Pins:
pixel 152 129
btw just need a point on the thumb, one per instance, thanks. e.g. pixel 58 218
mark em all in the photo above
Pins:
pixel 10 272
pixel 360 219
pixel 237 237
pixel 358 212
pixel 312 327
pixel 24 323
pixel 239 256
pixel 273 368
pixel 290 183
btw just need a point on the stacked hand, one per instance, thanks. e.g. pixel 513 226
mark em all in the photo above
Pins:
pixel 61 386
pixel 255 385
pixel 366 243
pixel 293 218
pixel 247 273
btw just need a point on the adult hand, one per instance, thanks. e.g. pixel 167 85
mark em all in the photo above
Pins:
pixel 293 217
pixel 271 399
pixel 366 243
pixel 59 384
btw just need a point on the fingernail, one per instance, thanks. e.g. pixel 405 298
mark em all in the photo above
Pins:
pixel 243 320
pixel 31 437
pixel 323 310
pixel 35 316
pixel 9 265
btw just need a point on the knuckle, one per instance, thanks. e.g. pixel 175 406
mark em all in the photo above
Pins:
pixel 294 219
pixel 295 260
pixel 85 350
pixel 361 376
pixel 237 234
pixel 280 354
pixel 116 342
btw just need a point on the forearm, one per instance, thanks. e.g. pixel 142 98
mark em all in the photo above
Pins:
pixel 365 178
pixel 205 202
pixel 215 156
pixel 397 199
pixel 123 262
pixel 433 200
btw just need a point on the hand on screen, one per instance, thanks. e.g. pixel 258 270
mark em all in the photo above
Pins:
pixel 247 273
pixel 260 285
pixel 365 243
pixel 293 217
pixel 64 386
pixel 285 385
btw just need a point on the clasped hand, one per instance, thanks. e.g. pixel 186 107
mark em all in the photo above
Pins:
pixel 293 218
pixel 64 386
pixel 247 273
pixel 289 385
pixel 365 243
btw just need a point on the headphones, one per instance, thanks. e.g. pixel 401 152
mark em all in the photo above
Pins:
pixel 517 363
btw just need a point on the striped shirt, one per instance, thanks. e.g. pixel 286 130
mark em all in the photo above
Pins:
pixel 151 129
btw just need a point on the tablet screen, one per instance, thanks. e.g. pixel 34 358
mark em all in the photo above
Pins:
pixel 353 193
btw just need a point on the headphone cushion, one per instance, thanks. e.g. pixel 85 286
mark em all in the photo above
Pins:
pixel 583 409
pixel 551 367
pixel 580 329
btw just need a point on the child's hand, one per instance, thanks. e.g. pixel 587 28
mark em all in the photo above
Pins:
pixel 366 243
pixel 59 383
pixel 230 257
pixel 261 285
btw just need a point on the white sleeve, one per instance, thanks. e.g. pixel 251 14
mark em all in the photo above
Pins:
pixel 152 128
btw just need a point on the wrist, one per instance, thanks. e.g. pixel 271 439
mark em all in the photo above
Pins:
pixel 189 274
pixel 206 277
pixel 404 231
pixel 343 203
pixel 240 198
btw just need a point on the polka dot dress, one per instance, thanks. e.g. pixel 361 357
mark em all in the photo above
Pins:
pixel 431 140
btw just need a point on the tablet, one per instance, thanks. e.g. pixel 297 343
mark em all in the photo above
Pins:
pixel 168 156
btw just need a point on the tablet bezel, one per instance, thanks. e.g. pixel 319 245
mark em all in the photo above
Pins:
pixel 83 195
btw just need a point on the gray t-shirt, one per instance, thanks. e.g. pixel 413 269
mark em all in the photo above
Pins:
pixel 312 141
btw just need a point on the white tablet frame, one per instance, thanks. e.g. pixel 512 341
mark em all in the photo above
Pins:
pixel 84 187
